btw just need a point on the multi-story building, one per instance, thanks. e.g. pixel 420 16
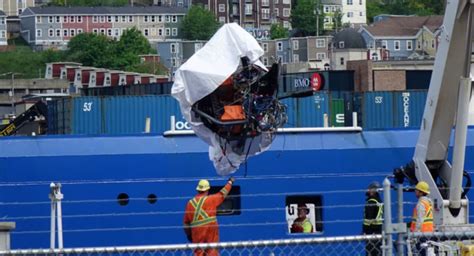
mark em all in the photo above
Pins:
pixel 45 27
pixel 403 37
pixel 352 12
pixel 347 45
pixel 258 14
pixel 3 28
pixel 13 8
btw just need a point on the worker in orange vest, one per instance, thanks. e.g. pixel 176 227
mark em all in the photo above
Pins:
pixel 422 215
pixel 200 222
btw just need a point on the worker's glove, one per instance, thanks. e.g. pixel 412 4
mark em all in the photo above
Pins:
pixel 231 179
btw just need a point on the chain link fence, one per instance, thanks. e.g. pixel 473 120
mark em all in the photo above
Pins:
pixel 343 245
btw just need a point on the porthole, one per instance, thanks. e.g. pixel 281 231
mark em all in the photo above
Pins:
pixel 152 198
pixel 123 199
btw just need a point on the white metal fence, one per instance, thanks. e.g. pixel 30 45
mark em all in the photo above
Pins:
pixel 343 245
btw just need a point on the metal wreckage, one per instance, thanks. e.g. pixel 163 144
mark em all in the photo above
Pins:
pixel 230 98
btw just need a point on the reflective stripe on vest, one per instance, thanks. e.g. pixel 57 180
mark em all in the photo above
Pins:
pixel 427 225
pixel 200 216
pixel 378 219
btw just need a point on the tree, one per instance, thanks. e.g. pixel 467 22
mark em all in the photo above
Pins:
pixel 278 31
pixel 199 24
pixel 303 17
pixel 91 50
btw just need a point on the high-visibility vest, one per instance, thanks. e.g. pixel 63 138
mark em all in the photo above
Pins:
pixel 427 225
pixel 200 217
pixel 379 218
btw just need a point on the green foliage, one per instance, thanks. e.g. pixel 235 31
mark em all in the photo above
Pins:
pixel 278 31
pixel 303 17
pixel 408 7
pixel 199 24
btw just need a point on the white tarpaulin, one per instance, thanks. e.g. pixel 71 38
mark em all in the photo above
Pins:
pixel 202 74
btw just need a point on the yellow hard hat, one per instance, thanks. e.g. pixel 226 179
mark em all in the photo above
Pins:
pixel 203 185
pixel 423 187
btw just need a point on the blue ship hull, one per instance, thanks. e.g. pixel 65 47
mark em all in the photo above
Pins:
pixel 95 170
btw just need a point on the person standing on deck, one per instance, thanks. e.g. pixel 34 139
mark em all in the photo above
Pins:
pixel 200 222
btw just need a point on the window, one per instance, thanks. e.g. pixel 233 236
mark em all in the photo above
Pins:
pixel 350 14
pixel 167 32
pixel 320 56
pixel 341 44
pixel 396 45
pixel 39 33
pixel 221 7
pixel 265 47
pixel 145 32
pixel 66 32
pixel 50 32
pixel 384 44
pixel 50 19
pixel 173 48
pixel 79 19
pixel 174 31
pixel 95 19
pixel 342 61
pixel 109 19
pixel 286 12
pixel 222 19
pixel 197 46
pixel 312 204
pixel 409 45
pixel 58 32
pixel 320 43
pixel 265 13
pixel 349 2
pixel 295 44
pixel 296 58
pixel 38 19
pixel 72 32
pixel 174 18
pixel 279 46
pixel 265 2
pixel 248 9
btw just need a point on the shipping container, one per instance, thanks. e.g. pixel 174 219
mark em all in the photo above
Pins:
pixel 311 110
pixel 410 106
pixel 86 115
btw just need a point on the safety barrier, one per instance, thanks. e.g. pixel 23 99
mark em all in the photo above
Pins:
pixel 342 245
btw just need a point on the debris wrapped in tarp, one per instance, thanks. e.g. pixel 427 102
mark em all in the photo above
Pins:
pixel 229 97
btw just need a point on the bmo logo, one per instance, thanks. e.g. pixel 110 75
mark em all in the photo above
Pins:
pixel 315 82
